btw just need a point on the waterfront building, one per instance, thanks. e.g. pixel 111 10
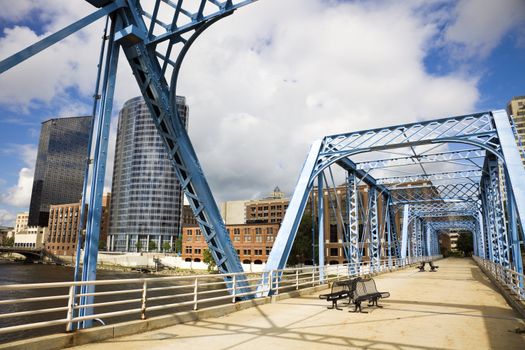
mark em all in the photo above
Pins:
pixel 5 233
pixel 60 164
pixel 21 221
pixel 188 219
pixel 516 109
pixel 31 237
pixel 269 210
pixel 146 201
pixel 64 221
pixel 233 212
pixel 253 242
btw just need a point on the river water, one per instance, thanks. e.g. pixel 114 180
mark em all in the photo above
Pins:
pixel 16 273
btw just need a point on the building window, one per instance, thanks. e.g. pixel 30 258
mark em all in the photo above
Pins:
pixel 268 250
pixel 247 252
pixel 258 230
pixel 334 252
pixel 269 231
pixel 247 238
pixel 269 238
pixel 188 250
pixel 197 251
pixel 236 231
pixel 189 233
pixel 258 252
pixel 258 239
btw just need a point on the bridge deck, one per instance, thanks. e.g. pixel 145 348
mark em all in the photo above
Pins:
pixel 455 308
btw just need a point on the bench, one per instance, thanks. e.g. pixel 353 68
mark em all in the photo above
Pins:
pixel 340 290
pixel 421 266
pixel 366 290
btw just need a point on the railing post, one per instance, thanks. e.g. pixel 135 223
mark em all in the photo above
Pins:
pixel 313 277
pixel 70 309
pixel 195 292
pixel 234 287
pixel 144 298
pixel 277 283
pixel 270 281
pixel 297 279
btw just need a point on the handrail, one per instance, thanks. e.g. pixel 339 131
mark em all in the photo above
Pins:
pixel 510 278
pixel 133 296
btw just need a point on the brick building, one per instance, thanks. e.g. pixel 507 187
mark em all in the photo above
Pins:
pixel 252 242
pixel 64 220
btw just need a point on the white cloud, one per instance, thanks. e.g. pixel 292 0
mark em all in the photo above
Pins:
pixel 480 24
pixel 20 195
pixel 263 83
pixel 7 218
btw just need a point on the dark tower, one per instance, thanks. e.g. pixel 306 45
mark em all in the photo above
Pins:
pixel 60 163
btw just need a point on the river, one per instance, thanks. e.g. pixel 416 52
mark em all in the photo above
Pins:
pixel 16 273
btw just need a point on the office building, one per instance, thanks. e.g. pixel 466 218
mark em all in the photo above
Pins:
pixel 252 242
pixel 269 210
pixel 233 212
pixel 32 237
pixel 60 164
pixel 21 221
pixel 64 221
pixel 516 109
pixel 146 198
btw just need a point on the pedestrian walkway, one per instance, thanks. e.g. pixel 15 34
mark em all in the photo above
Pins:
pixel 454 308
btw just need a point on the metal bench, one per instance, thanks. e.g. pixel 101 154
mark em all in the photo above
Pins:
pixel 340 290
pixel 366 290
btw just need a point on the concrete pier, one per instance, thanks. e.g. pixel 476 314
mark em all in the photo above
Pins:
pixel 454 308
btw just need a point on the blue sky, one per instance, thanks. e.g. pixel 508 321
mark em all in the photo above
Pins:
pixel 272 78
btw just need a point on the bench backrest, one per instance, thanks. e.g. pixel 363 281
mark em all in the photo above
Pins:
pixel 364 287
pixel 339 286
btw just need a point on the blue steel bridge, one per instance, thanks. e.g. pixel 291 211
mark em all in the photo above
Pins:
pixel 422 179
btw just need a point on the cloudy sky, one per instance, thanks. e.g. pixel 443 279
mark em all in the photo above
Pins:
pixel 263 83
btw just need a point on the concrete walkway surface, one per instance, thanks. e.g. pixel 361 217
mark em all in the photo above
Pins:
pixel 454 308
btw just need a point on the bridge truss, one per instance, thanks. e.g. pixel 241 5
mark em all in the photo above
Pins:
pixel 390 192
pixel 427 178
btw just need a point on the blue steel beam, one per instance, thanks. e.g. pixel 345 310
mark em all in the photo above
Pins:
pixel 136 39
pixel 52 39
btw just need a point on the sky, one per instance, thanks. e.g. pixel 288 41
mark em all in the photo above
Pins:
pixel 264 83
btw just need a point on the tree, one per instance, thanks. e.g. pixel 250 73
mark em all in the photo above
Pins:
pixel 302 246
pixel 102 245
pixel 207 258
pixel 166 246
pixel 9 242
pixel 464 243
pixel 152 246
pixel 138 245
pixel 178 245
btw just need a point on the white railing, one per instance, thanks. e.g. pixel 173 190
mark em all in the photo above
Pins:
pixel 151 296
pixel 508 277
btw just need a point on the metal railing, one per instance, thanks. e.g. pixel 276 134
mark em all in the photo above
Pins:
pixel 512 279
pixel 58 303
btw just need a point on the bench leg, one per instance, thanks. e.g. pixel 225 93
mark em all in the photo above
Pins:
pixel 358 306
pixel 334 306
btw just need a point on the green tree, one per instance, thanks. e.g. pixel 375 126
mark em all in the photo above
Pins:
pixel 138 245
pixel 178 245
pixel 102 245
pixel 166 247
pixel 9 242
pixel 464 243
pixel 152 246
pixel 302 246
pixel 207 258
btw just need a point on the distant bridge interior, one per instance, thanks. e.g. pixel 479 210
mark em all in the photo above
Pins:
pixel 391 191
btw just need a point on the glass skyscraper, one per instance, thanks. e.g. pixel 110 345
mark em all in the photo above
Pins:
pixel 60 163
pixel 146 201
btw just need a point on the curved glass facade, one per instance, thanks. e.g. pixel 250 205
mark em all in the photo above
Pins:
pixel 146 201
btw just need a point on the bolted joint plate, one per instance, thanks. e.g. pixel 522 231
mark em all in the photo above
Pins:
pixel 129 36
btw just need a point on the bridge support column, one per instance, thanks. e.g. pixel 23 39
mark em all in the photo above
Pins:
pixel 404 232
pixel 352 250
pixel 320 223
pixel 373 248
